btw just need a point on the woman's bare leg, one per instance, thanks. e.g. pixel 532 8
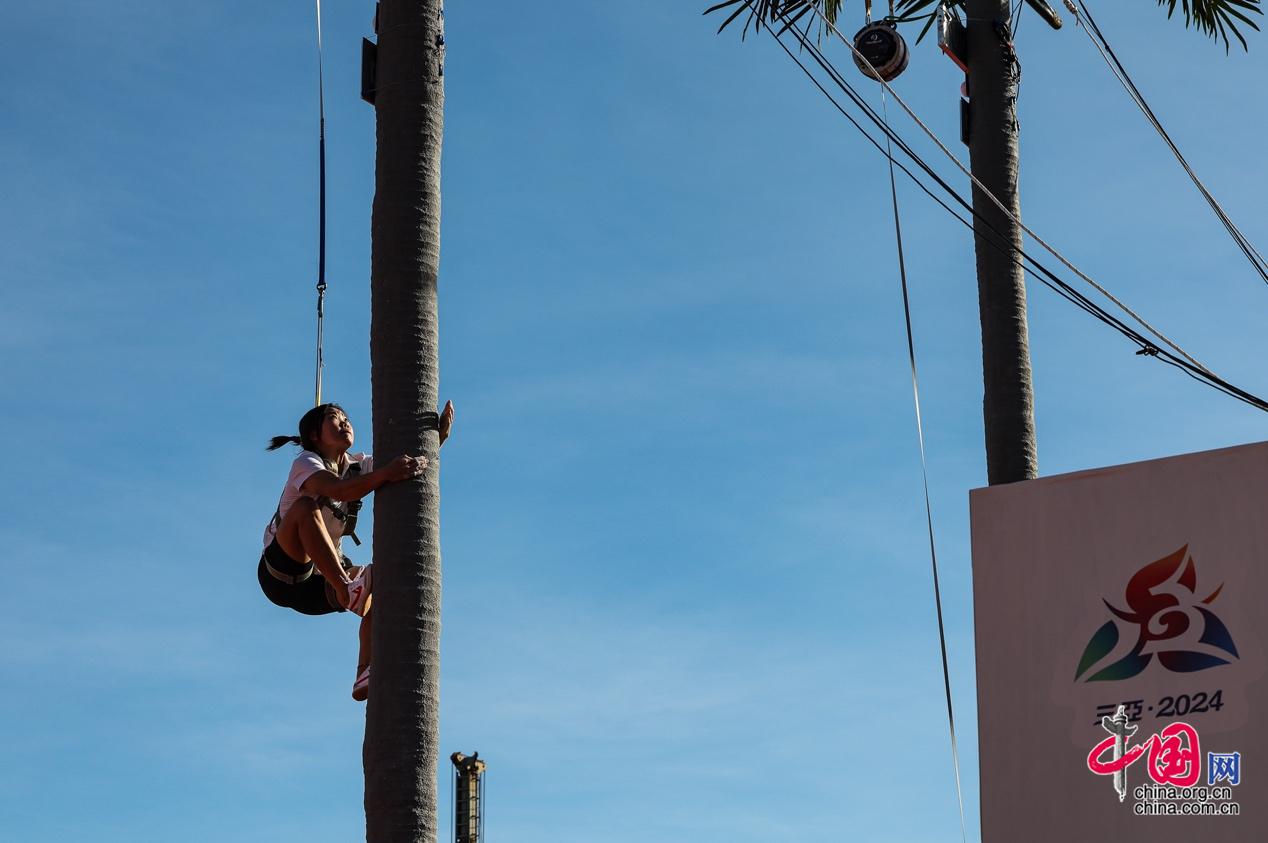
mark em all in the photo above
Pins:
pixel 361 690
pixel 363 652
pixel 303 536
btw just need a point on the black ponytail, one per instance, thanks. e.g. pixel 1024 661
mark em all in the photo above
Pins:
pixel 309 428
pixel 278 441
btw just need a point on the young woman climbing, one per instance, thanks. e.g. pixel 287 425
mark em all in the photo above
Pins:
pixel 303 566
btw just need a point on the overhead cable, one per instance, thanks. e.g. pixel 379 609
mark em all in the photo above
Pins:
pixel 1120 73
pixel 924 474
pixel 997 240
pixel 1002 207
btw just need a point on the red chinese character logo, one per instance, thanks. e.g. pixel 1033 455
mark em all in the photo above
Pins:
pixel 1122 762
pixel 1175 757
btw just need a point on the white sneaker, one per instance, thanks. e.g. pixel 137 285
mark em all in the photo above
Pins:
pixel 359 591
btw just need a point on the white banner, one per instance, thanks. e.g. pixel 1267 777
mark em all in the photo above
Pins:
pixel 1120 626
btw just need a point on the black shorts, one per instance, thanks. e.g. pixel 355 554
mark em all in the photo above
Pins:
pixel 308 596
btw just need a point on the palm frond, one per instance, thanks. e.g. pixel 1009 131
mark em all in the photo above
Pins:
pixel 908 8
pixel 1217 18
pixel 769 12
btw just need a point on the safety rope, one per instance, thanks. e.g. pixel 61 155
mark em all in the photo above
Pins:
pixel 321 209
pixel 924 473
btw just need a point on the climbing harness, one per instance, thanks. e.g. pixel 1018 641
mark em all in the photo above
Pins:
pixel 346 512
pixel 281 576
pixel 879 51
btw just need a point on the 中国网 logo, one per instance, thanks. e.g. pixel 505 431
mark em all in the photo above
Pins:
pixel 1173 761
pixel 1168 620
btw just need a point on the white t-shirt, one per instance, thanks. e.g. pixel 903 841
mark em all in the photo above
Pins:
pixel 306 465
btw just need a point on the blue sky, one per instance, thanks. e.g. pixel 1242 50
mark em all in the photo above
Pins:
pixel 687 586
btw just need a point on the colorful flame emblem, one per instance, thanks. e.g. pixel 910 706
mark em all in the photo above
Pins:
pixel 1163 607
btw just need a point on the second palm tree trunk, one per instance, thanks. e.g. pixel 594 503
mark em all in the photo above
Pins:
pixel 1008 400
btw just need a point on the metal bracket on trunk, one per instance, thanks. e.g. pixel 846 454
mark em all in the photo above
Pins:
pixel 951 38
pixel 369 68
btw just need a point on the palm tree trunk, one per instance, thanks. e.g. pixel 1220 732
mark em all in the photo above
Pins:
pixel 402 723
pixel 1008 402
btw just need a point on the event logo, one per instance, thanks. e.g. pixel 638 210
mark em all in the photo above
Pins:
pixel 1168 620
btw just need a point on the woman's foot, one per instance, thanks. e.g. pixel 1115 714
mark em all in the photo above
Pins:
pixel 361 688
pixel 359 592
